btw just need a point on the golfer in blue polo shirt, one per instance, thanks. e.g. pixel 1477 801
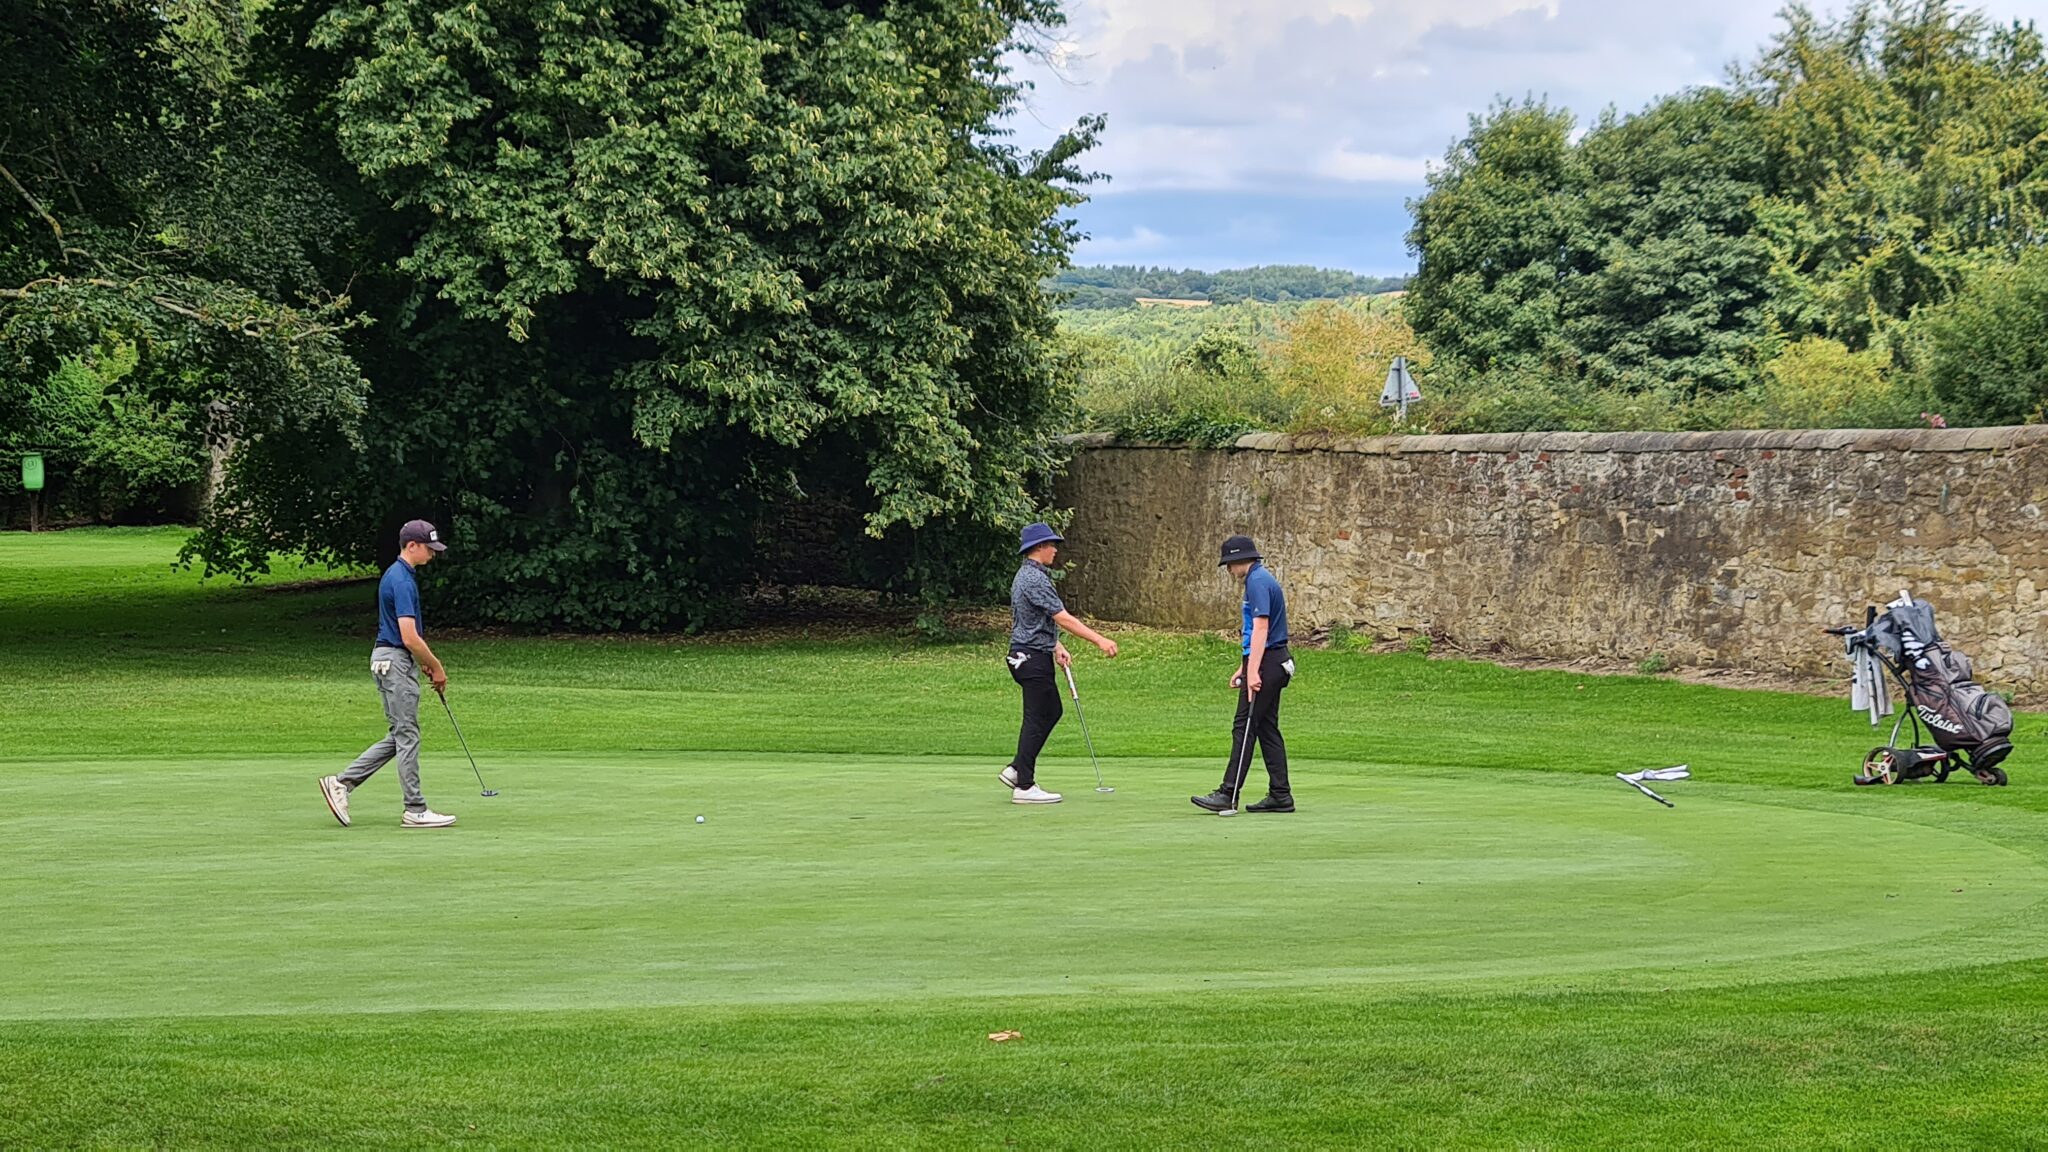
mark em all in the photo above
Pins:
pixel 400 654
pixel 1266 668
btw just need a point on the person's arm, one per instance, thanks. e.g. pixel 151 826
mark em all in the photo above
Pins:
pixel 1072 623
pixel 409 631
pixel 1261 627
pixel 1259 601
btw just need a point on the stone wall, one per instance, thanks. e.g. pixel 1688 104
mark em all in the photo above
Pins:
pixel 1725 549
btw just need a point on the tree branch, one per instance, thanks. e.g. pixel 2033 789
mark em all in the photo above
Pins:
pixel 247 326
pixel 23 292
pixel 70 185
pixel 40 210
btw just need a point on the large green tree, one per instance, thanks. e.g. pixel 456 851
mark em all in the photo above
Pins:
pixel 1497 236
pixel 648 275
pixel 1670 278
pixel 1630 255
pixel 158 250
pixel 1907 146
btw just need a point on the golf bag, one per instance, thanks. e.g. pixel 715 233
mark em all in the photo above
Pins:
pixel 1970 726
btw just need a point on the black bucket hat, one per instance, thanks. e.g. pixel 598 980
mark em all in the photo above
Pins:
pixel 1239 548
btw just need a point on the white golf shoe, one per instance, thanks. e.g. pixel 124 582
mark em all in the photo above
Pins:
pixel 337 797
pixel 1033 795
pixel 1008 776
pixel 427 819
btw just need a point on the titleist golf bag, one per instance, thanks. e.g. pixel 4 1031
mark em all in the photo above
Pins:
pixel 1971 727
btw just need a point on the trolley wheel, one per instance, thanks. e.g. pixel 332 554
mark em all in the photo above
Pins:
pixel 1993 777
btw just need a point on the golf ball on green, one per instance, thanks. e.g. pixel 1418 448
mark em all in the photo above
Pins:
pixel 700 819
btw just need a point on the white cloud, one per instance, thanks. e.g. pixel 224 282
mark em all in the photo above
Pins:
pixel 1216 94
pixel 1344 163
pixel 1295 97
pixel 1139 242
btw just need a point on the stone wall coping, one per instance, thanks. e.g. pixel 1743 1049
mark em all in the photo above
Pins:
pixel 1853 440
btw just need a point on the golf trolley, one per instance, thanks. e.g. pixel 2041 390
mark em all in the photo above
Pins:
pixel 1969 726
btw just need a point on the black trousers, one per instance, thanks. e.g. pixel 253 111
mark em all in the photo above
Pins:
pixel 1258 718
pixel 1033 671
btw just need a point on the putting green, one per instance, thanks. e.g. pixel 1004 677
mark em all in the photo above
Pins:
pixel 183 889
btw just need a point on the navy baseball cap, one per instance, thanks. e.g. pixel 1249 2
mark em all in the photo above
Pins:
pixel 1035 534
pixel 421 532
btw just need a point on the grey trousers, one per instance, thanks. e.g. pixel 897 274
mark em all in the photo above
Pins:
pixel 398 683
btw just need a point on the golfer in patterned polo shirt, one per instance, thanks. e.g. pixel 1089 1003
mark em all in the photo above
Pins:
pixel 1036 617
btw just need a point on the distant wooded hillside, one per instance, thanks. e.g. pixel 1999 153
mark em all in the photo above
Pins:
pixel 1106 287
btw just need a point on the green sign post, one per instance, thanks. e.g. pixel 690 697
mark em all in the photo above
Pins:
pixel 32 480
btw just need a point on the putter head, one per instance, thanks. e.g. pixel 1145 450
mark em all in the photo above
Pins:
pixel 1228 812
pixel 1105 789
pixel 489 792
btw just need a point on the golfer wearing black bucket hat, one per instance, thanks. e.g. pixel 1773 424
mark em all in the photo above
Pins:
pixel 1036 617
pixel 1267 668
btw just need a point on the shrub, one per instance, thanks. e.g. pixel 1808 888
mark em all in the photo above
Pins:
pixel 1987 350
pixel 1210 392
pixel 111 449
pixel 1820 383
pixel 1539 398
pixel 1330 364
pixel 1345 638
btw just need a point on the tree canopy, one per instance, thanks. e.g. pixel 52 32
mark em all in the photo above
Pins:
pixel 608 285
pixel 158 250
pixel 1859 172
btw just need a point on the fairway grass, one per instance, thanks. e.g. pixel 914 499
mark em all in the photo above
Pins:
pixel 1470 933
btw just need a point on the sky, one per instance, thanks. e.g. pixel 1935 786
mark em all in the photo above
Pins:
pixel 1247 132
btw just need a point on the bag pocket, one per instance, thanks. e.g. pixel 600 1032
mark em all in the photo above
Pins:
pixel 1990 717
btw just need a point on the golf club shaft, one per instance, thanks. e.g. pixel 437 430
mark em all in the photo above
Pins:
pixel 1645 790
pixel 1083 717
pixel 465 740
pixel 1244 763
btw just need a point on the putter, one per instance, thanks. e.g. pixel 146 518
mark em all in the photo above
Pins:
pixel 465 744
pixel 1083 716
pixel 1644 789
pixel 1244 767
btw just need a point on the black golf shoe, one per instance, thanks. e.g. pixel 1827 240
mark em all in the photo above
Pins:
pixel 1273 803
pixel 1215 801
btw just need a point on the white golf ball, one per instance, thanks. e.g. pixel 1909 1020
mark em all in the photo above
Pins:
pixel 700 819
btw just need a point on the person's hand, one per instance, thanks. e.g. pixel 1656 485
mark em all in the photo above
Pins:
pixel 440 678
pixel 1108 647
pixel 1254 683
pixel 1237 679
pixel 1062 657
